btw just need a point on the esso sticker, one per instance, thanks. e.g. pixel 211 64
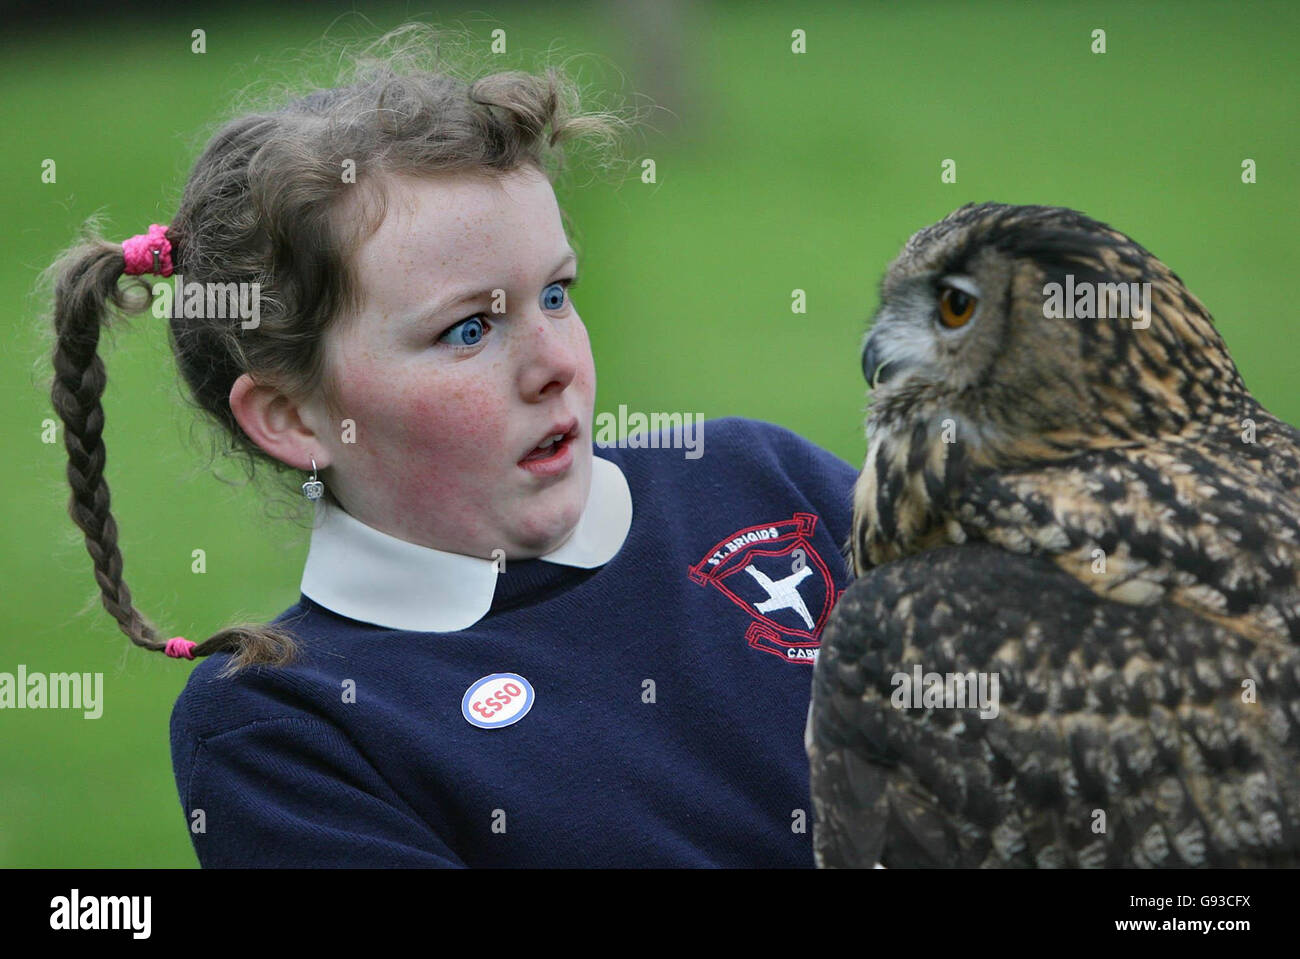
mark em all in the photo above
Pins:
pixel 497 700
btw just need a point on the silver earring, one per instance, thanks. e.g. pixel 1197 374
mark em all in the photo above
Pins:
pixel 313 489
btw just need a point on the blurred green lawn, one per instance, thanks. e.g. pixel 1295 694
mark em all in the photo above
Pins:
pixel 793 172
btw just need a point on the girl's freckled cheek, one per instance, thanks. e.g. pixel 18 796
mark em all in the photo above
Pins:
pixel 461 419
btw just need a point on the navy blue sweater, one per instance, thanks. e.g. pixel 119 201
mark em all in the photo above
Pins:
pixel 666 710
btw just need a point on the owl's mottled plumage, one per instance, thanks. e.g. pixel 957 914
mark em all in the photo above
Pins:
pixel 1101 515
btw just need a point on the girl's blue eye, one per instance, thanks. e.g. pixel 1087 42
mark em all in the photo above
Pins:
pixel 553 295
pixel 467 332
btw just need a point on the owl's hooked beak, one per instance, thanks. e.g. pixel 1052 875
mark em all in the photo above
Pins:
pixel 875 369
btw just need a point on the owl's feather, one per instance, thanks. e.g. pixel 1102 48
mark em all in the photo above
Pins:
pixel 1098 512
pixel 1121 737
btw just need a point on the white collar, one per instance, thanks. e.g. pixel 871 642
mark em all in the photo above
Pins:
pixel 364 574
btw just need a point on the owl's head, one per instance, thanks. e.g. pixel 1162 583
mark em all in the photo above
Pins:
pixel 1010 335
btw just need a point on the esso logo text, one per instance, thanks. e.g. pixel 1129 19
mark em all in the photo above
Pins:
pixel 497 700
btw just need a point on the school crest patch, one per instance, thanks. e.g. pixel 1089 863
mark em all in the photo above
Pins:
pixel 774 573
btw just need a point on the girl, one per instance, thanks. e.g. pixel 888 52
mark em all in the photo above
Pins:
pixel 510 647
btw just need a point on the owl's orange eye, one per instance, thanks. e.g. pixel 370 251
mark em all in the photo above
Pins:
pixel 956 307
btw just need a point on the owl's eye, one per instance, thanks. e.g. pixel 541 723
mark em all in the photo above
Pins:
pixel 956 307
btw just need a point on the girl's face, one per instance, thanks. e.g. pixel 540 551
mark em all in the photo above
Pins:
pixel 450 399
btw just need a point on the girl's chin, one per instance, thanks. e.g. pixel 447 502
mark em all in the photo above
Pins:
pixel 541 539
pixel 549 516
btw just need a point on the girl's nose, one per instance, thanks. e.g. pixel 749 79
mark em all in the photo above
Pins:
pixel 552 350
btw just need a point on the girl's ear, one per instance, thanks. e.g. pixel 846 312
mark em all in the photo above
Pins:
pixel 282 428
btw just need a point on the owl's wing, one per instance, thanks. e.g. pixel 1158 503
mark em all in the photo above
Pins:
pixel 1108 734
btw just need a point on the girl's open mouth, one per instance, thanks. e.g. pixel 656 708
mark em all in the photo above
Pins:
pixel 553 455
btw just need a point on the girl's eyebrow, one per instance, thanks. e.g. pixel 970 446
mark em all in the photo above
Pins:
pixel 457 298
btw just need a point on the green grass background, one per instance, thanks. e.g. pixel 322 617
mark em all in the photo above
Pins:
pixel 784 171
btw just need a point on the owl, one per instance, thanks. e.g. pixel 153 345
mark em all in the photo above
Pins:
pixel 1072 635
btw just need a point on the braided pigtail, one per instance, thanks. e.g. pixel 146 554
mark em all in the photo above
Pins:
pixel 87 280
pixel 279 200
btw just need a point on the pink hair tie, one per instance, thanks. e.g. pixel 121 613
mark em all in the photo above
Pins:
pixel 179 647
pixel 148 252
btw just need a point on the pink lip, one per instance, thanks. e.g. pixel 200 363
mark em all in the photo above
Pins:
pixel 561 457
pixel 568 428
pixel 557 462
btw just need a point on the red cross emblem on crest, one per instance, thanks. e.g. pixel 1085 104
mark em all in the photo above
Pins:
pixel 773 572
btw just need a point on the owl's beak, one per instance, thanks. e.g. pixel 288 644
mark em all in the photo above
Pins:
pixel 875 370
